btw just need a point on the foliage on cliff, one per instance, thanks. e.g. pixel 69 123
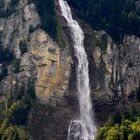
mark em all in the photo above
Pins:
pixel 13 132
pixel 46 10
pixel 14 113
pixel 5 58
pixel 117 18
pixel 138 93
pixel 49 20
pixel 124 129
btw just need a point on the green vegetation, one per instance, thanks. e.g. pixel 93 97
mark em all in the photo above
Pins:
pixel 12 132
pixel 49 19
pixel 23 46
pixel 125 127
pixel 6 11
pixel 117 18
pixel 46 10
pixel 40 117
pixel 15 113
pixel 60 36
pixel 6 57
pixel 16 65
pixel 14 2
pixel 31 29
pixel 138 94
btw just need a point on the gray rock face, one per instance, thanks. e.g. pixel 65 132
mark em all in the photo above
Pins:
pixel 14 28
pixel 114 69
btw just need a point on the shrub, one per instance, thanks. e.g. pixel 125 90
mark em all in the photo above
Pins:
pixel 31 29
pixel 14 2
pixel 18 113
pixel 46 10
pixel 127 130
pixel 130 137
pixel 5 55
pixel 11 132
pixel 4 72
pixel 22 47
pixel 16 65
pixel 138 94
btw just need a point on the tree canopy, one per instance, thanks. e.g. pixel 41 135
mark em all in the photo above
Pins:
pixel 116 17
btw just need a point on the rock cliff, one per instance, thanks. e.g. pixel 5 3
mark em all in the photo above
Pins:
pixel 114 67
pixel 43 61
pixel 114 70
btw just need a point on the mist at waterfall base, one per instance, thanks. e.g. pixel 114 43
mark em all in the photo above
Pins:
pixel 83 128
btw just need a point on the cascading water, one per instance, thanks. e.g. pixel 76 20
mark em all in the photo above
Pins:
pixel 83 128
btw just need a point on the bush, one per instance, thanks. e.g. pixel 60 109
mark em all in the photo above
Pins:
pixel 130 137
pixel 14 2
pixel 138 94
pixel 15 112
pixel 127 130
pixel 18 113
pixel 5 55
pixel 22 47
pixel 31 29
pixel 46 10
pixel 16 65
pixel 11 132
pixel 4 72
pixel 20 103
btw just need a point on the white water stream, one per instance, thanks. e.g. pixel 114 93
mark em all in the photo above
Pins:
pixel 83 128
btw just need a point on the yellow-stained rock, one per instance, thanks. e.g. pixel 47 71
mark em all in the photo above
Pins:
pixel 53 66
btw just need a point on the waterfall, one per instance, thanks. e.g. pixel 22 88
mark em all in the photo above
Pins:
pixel 84 127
